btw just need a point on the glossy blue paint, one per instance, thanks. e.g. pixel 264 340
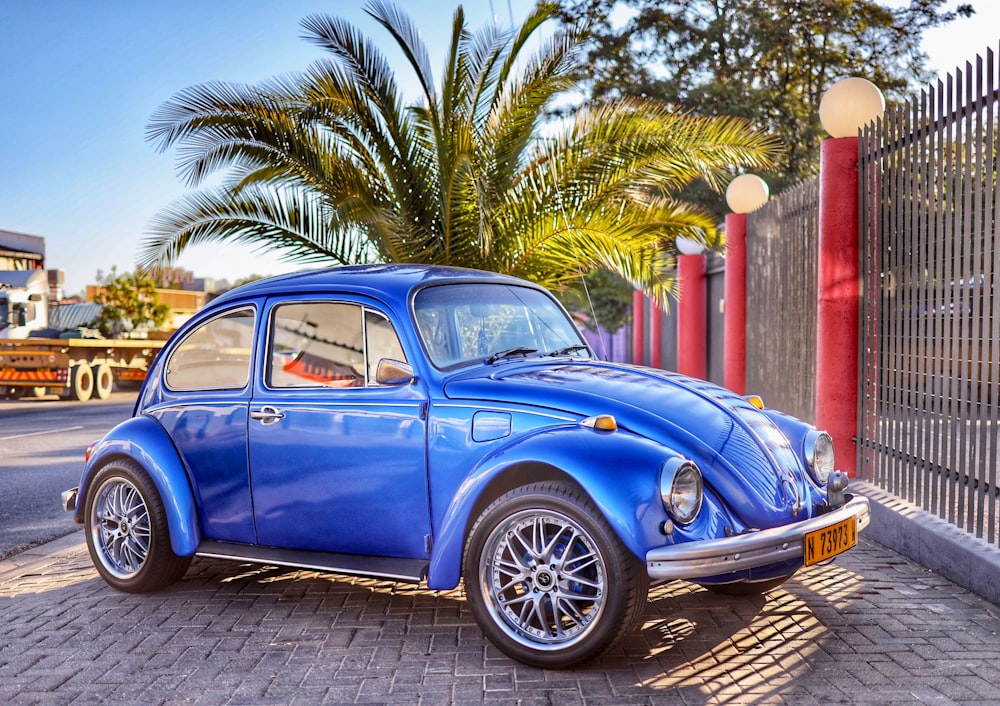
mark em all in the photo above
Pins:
pixel 618 470
pixel 209 433
pixel 703 422
pixel 144 441
pixel 344 471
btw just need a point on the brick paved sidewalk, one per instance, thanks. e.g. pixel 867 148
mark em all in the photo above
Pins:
pixel 872 628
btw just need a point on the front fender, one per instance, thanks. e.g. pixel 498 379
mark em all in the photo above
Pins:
pixel 618 470
pixel 144 441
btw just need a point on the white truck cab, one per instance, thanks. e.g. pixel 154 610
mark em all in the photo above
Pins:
pixel 23 302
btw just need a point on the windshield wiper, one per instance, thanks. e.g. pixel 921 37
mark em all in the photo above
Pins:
pixel 567 350
pixel 519 350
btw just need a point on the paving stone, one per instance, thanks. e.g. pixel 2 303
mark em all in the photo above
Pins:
pixel 872 628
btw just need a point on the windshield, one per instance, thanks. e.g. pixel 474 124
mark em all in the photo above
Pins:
pixel 464 323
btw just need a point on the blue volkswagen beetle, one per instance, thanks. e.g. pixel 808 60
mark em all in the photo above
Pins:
pixel 439 425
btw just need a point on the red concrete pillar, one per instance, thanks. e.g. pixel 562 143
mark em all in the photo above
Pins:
pixel 838 298
pixel 655 335
pixel 692 320
pixel 734 343
pixel 638 328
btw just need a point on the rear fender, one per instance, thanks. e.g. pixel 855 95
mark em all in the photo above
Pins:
pixel 144 441
pixel 618 470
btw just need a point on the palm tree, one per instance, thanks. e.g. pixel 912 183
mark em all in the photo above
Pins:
pixel 331 166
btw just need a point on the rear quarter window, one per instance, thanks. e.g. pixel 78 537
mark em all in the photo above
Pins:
pixel 214 356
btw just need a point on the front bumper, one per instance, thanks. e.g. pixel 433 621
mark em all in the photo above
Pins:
pixel 715 557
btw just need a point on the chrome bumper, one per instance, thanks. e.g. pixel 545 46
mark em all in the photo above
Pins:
pixel 713 557
pixel 69 499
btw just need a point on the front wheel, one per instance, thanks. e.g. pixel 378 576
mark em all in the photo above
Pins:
pixel 548 581
pixel 127 533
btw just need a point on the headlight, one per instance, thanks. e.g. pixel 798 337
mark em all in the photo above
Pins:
pixel 819 455
pixel 681 489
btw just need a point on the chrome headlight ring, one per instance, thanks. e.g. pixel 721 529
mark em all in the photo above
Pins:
pixel 681 490
pixel 819 455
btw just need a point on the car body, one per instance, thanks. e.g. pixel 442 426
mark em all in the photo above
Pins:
pixel 438 424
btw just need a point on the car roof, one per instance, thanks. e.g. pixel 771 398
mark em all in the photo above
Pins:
pixel 392 282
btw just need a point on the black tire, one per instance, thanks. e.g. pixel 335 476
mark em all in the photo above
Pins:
pixel 127 533
pixel 104 381
pixel 81 382
pixel 586 589
pixel 745 588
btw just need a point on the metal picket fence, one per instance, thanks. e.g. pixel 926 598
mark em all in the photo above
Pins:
pixel 930 318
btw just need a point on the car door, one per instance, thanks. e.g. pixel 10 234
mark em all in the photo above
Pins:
pixel 203 407
pixel 337 461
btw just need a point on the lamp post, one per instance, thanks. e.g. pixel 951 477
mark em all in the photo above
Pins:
pixel 745 194
pixel 692 326
pixel 844 109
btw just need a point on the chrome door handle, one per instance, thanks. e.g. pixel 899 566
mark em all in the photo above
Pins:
pixel 268 415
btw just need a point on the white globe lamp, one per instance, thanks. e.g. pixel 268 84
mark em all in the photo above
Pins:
pixel 688 246
pixel 746 193
pixel 849 105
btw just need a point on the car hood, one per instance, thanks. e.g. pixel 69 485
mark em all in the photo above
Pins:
pixel 742 454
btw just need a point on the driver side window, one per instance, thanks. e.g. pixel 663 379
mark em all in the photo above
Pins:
pixel 328 344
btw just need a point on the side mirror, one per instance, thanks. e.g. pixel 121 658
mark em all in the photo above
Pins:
pixel 394 372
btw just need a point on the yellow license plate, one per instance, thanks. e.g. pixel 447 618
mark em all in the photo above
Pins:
pixel 820 545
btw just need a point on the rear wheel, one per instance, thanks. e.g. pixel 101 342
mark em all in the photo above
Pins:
pixel 81 382
pixel 548 581
pixel 104 381
pixel 127 533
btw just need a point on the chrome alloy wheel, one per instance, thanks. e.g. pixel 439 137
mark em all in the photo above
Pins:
pixel 544 579
pixel 120 527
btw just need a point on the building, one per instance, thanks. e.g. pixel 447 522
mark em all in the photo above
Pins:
pixel 21 252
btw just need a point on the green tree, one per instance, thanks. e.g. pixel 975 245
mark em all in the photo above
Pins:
pixel 767 62
pixel 129 302
pixel 331 166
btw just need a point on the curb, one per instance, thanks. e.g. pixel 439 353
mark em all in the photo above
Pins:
pixel 932 542
pixel 32 561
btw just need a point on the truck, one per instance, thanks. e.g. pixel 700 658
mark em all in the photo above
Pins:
pixel 40 356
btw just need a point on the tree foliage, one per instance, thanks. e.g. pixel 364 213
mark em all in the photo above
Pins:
pixel 129 302
pixel 332 166
pixel 767 62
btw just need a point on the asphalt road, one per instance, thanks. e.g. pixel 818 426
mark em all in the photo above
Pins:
pixel 42 444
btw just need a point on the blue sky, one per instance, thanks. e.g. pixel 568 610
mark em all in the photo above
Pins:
pixel 79 80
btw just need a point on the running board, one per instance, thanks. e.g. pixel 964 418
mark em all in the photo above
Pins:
pixel 402 570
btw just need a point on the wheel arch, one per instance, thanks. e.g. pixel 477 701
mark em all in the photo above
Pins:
pixel 618 472
pixel 143 441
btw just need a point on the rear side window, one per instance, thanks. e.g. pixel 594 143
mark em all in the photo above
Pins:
pixel 215 356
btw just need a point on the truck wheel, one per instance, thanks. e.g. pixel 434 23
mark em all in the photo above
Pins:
pixel 127 533
pixel 81 383
pixel 548 581
pixel 104 381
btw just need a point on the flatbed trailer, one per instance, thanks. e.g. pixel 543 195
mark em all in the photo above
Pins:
pixel 73 368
